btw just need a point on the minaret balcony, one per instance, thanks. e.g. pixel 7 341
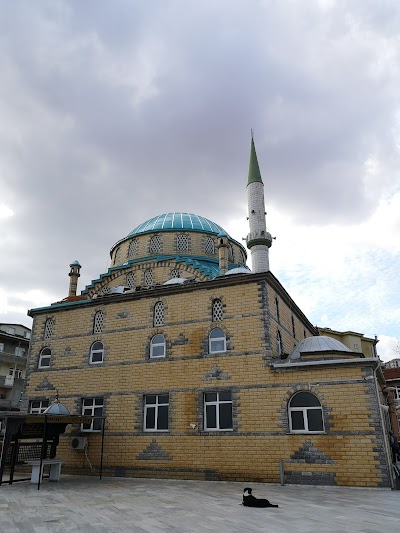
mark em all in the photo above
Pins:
pixel 259 237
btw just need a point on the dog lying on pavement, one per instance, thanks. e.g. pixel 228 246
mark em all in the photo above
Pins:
pixel 251 501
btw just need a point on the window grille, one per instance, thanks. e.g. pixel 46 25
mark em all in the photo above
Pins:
pixel 105 290
pixel 130 280
pixel 148 278
pixel 209 247
pixel 159 313
pixel 231 257
pixel 117 255
pixel 133 248
pixel 48 328
pixel 305 413
pixel 98 322
pixel 175 273
pixel 182 242
pixel 217 311
pixel 155 244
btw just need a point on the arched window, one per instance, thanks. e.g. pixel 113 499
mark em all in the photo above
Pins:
pixel 133 249
pixel 96 352
pixel 305 413
pixel 182 242
pixel 217 310
pixel 117 255
pixel 148 278
pixel 157 346
pixel 130 280
pixel 98 322
pixel 48 328
pixel 159 313
pixel 217 341
pixel 277 308
pixel 279 345
pixel 155 244
pixel 175 273
pixel 231 256
pixel 44 358
pixel 209 247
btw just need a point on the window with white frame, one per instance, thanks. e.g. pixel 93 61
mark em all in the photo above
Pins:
pixel 217 341
pixel 96 352
pixel 175 273
pixel 155 244
pixel 15 372
pixel 217 310
pixel 157 346
pixel 279 345
pixel 44 358
pixel 209 246
pixel 92 407
pixel 305 413
pixel 396 393
pixel 158 314
pixel 37 407
pixel 130 280
pixel 182 242
pixel 98 322
pixel 48 328
pixel 133 248
pixel 19 351
pixel 1 346
pixel 218 414
pixel 156 408
pixel 148 278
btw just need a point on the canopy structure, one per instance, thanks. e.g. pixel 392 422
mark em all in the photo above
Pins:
pixel 36 437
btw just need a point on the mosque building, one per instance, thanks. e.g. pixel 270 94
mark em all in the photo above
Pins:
pixel 204 369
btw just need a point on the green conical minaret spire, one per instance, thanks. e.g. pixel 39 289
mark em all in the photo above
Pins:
pixel 254 169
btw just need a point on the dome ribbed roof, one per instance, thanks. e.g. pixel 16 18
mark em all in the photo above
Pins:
pixel 322 343
pixel 177 221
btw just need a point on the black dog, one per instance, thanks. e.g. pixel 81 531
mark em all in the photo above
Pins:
pixel 251 501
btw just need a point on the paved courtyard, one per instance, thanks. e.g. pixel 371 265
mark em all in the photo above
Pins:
pixel 121 505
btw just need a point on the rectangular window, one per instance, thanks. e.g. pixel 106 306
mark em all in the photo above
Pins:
pixel 92 407
pixel 19 351
pixel 36 407
pixel 16 372
pixel 1 346
pixel 156 412
pixel 11 330
pixel 218 414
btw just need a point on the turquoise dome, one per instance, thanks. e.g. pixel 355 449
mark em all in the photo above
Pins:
pixel 177 221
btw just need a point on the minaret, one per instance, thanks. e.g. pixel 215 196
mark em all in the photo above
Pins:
pixel 222 246
pixel 259 240
pixel 73 277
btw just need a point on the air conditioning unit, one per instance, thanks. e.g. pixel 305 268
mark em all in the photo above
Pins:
pixel 79 443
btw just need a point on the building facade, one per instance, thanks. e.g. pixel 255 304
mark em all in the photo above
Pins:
pixel 14 344
pixel 204 369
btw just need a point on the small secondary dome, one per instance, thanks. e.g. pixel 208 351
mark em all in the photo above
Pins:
pixel 238 270
pixel 56 408
pixel 321 343
pixel 177 221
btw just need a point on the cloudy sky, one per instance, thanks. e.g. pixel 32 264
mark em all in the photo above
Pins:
pixel 114 112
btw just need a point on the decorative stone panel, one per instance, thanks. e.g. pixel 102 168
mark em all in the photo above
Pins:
pixel 154 452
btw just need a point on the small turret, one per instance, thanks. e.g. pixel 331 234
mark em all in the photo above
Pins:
pixel 259 240
pixel 74 274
